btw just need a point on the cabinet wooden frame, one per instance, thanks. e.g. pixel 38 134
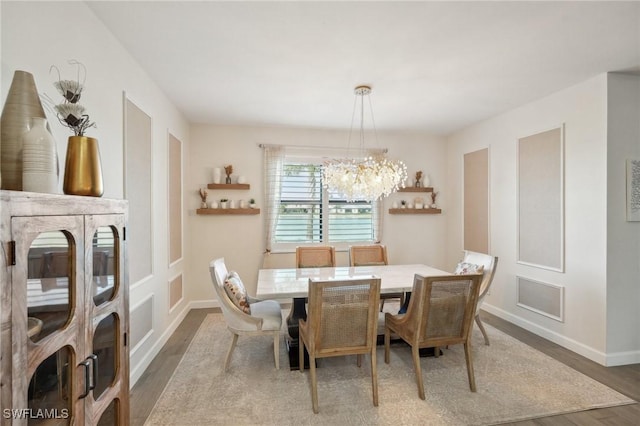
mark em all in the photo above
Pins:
pixel 23 216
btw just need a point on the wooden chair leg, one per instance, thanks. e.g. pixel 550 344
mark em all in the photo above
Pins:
pixel 467 355
pixel 436 352
pixel 374 376
pixel 234 340
pixel 276 348
pixel 301 354
pixel 314 382
pixel 415 352
pixel 482 330
pixel 387 343
pixel 359 360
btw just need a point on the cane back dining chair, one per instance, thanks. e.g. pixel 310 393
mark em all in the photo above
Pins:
pixel 472 261
pixel 440 313
pixel 373 254
pixel 243 314
pixel 341 320
pixel 315 256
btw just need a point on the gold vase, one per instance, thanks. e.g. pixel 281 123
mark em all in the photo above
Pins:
pixel 82 172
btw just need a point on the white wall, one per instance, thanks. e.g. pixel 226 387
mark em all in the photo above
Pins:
pixel 240 239
pixel 623 244
pixel 583 110
pixel 38 35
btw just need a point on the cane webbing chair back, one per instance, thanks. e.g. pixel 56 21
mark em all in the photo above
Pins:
pixel 440 313
pixel 341 320
pixel 315 257
pixel 373 254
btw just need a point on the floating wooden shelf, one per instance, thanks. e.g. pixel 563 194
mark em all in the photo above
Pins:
pixel 228 211
pixel 414 189
pixel 228 186
pixel 415 211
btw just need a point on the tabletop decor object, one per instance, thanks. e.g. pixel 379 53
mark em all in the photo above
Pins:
pixel 217 175
pixel 83 171
pixel 368 177
pixel 228 170
pixel 39 159
pixel 203 198
pixel 21 104
pixel 418 183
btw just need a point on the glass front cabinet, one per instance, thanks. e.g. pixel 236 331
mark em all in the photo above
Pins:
pixel 64 310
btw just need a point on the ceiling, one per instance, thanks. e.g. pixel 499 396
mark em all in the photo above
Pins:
pixel 433 66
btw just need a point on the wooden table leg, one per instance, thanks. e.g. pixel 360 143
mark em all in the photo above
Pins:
pixel 298 311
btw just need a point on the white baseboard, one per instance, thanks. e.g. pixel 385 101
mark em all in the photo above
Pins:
pixel 203 304
pixel 606 359
pixel 564 341
pixel 137 371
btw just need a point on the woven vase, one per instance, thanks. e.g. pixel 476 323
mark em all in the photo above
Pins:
pixel 82 171
pixel 21 104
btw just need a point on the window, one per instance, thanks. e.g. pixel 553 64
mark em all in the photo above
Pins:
pixel 304 212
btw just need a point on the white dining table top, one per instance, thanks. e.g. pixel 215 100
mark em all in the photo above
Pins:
pixel 292 282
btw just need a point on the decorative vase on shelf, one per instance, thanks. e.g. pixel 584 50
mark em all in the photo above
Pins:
pixel 228 179
pixel 217 175
pixel 39 159
pixel 21 104
pixel 425 181
pixel 83 172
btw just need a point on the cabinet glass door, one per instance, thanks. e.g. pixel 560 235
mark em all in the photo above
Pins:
pixel 107 297
pixel 104 262
pixel 47 313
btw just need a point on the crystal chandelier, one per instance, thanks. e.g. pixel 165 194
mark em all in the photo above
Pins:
pixel 369 178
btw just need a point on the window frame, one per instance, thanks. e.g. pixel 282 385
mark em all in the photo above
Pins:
pixel 324 208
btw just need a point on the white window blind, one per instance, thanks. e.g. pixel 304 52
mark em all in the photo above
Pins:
pixel 303 212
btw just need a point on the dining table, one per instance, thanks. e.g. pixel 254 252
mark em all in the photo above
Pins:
pixel 293 283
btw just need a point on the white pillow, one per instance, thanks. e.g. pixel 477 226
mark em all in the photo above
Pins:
pixel 237 293
pixel 464 268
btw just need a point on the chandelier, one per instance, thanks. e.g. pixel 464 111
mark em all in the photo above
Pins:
pixel 369 178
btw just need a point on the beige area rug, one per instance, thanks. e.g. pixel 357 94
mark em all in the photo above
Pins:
pixel 515 382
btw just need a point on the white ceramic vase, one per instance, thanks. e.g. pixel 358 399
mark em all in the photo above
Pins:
pixel 217 175
pixel 39 159
pixel 21 104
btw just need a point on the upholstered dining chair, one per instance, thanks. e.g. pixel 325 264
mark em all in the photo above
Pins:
pixel 243 314
pixel 373 254
pixel 341 320
pixel 440 313
pixel 481 263
pixel 315 256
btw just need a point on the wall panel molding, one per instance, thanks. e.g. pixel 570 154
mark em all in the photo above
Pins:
pixel 540 191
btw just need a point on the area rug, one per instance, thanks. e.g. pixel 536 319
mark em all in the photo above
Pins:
pixel 514 381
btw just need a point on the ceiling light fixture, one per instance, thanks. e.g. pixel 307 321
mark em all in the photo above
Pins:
pixel 369 178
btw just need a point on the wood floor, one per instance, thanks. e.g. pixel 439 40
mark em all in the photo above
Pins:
pixel 624 379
